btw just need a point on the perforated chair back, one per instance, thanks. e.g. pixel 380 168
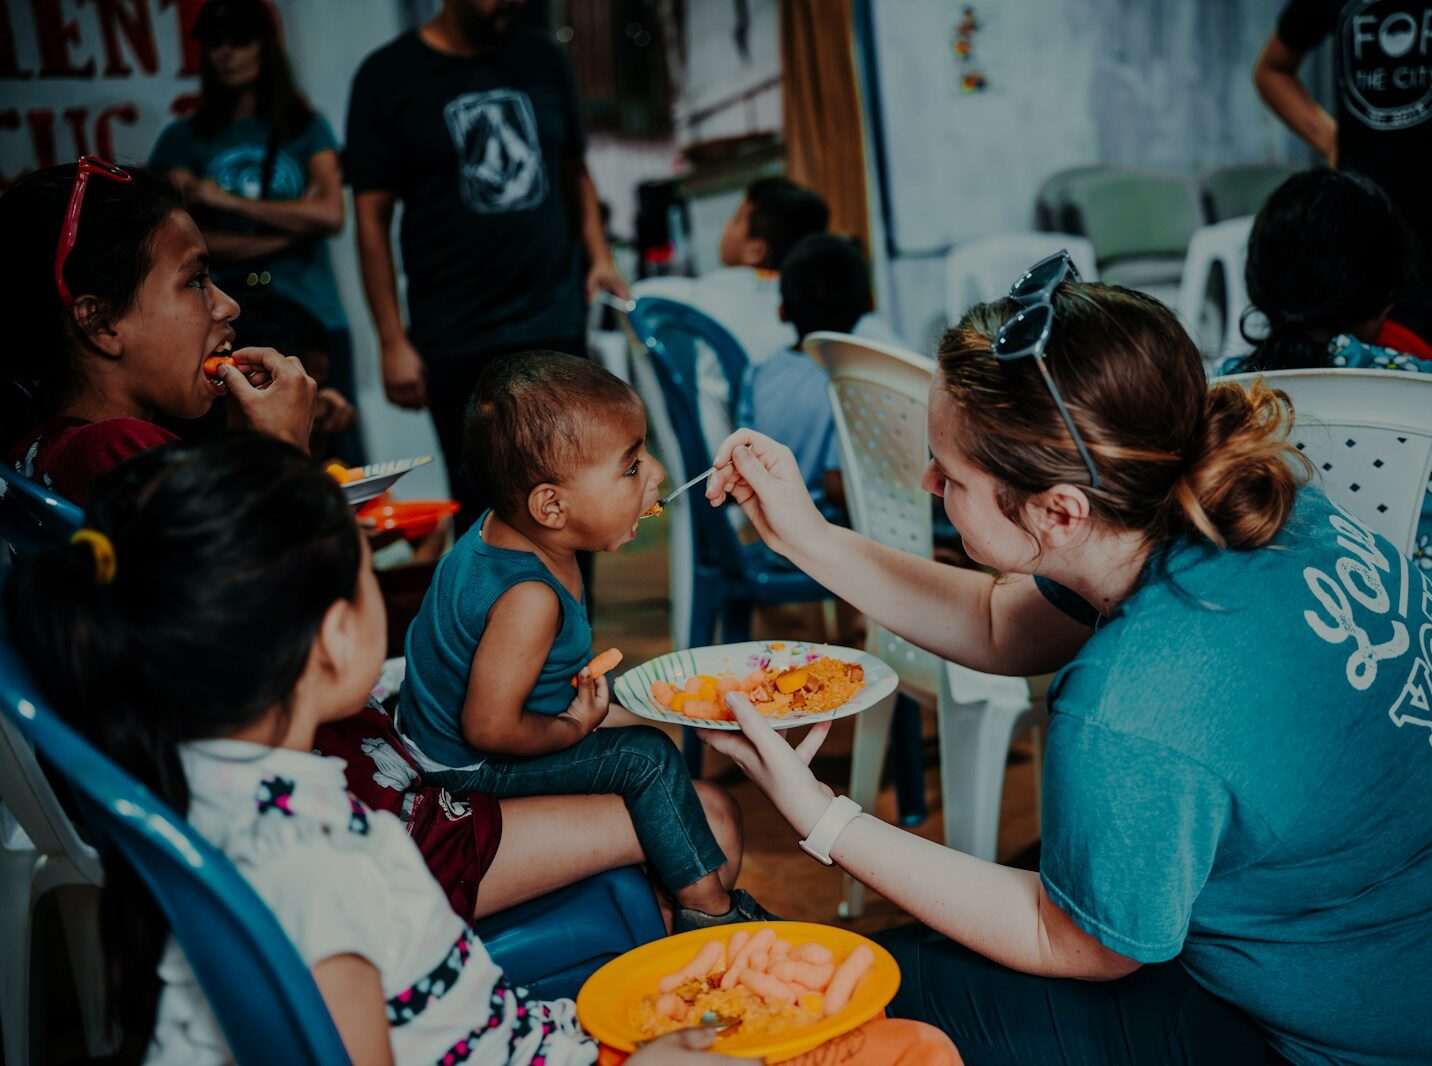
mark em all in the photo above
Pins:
pixel 1369 437
pixel 259 989
pixel 31 516
pixel 985 268
pixel 881 396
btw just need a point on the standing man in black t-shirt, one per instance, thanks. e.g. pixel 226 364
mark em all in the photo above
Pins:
pixel 1383 129
pixel 474 123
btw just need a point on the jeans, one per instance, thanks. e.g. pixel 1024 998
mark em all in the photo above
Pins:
pixel 638 763
pixel 999 1017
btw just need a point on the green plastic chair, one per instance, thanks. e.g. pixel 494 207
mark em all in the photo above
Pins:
pixel 1232 192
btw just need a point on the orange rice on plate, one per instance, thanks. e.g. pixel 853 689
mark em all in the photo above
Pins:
pixel 812 688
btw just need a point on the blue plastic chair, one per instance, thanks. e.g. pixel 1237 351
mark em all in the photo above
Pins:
pixel 31 516
pixel 729 578
pixel 261 992
pixel 554 943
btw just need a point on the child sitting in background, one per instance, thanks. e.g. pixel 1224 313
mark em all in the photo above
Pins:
pixel 489 704
pixel 825 285
pixel 1327 255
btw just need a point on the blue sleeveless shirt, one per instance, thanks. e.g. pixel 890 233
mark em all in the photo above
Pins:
pixel 444 636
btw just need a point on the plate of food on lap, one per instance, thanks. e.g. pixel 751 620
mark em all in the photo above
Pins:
pixel 792 683
pixel 771 991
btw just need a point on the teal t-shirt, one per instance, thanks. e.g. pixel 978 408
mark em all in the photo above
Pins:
pixel 1238 775
pixel 234 160
pixel 444 636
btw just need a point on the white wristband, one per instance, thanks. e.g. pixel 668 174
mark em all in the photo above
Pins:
pixel 842 811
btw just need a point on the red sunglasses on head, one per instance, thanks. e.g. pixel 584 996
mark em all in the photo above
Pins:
pixel 87 165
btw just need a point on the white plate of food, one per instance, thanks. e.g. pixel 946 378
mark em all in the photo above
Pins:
pixel 792 683
pixel 363 483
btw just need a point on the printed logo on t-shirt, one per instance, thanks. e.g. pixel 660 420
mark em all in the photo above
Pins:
pixel 1386 55
pixel 1376 602
pixel 240 171
pixel 499 155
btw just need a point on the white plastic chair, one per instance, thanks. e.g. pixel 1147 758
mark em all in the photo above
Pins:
pixel 1369 436
pixel 40 852
pixel 880 393
pixel 985 268
pixel 1217 256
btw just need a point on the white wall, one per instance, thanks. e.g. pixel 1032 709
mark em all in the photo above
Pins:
pixel 723 93
pixel 1163 84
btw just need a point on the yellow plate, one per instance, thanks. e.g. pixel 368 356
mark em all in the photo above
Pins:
pixel 608 995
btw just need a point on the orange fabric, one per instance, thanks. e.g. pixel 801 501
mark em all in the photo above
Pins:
pixel 1401 339
pixel 825 148
pixel 882 1042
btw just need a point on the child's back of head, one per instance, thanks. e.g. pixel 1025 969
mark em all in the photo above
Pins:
pixel 188 611
pixel 781 213
pixel 1326 256
pixel 825 285
pixel 540 418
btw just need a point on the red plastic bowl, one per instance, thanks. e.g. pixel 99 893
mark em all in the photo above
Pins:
pixel 415 519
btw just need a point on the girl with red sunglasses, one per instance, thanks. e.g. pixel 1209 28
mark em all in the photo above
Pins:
pixel 111 315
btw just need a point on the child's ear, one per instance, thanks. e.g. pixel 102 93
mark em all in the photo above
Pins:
pixel 756 252
pixel 90 319
pixel 546 506
pixel 333 648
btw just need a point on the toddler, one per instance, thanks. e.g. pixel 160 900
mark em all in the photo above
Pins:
pixel 489 703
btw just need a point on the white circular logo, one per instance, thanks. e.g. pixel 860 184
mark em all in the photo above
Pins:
pixel 1398 34
pixel 1385 63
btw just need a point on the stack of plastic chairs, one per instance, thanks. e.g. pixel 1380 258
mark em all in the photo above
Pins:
pixel 1235 191
pixel 1053 210
pixel 880 395
pixel 1213 295
pixel 1140 224
pixel 984 269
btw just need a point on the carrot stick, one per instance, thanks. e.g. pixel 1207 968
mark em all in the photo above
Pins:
pixel 842 985
pixel 603 663
pixel 705 961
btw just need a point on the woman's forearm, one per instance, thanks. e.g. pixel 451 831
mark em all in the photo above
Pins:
pixel 312 216
pixel 944 609
pixel 1002 913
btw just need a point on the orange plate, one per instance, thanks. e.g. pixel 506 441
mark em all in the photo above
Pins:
pixel 605 999
pixel 415 518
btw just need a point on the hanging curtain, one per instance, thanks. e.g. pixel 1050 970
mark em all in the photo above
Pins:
pixel 821 109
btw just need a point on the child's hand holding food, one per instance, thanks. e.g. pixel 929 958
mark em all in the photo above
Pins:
pixel 273 393
pixel 590 706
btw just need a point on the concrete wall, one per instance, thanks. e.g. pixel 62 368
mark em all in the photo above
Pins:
pixel 1161 84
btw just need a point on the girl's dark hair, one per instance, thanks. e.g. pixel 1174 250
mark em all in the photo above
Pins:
pixel 279 100
pixel 1327 253
pixel 1174 456
pixel 228 556
pixel 113 252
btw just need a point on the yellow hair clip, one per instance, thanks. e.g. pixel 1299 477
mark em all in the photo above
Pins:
pixel 102 548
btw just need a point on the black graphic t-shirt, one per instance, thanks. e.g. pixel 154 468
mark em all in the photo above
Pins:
pixel 475 149
pixel 1383 51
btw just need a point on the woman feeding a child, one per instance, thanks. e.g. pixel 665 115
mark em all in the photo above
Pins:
pixel 1232 840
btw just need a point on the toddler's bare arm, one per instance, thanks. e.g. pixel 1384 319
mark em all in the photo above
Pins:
pixel 521 627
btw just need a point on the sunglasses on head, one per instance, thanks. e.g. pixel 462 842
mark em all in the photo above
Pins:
pixel 1026 335
pixel 87 165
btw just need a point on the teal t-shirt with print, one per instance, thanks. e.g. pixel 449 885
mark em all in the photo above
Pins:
pixel 444 636
pixel 1239 775
pixel 234 160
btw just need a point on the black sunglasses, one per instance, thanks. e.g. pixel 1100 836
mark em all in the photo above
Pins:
pixel 1026 335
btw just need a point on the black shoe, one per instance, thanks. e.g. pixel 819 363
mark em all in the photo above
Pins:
pixel 743 909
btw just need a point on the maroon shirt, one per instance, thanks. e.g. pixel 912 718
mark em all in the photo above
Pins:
pixel 458 837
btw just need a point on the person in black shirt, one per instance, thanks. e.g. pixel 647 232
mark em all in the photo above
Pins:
pixel 1383 128
pixel 473 122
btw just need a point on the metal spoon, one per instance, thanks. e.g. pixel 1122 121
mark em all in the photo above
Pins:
pixel 709 1020
pixel 656 508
